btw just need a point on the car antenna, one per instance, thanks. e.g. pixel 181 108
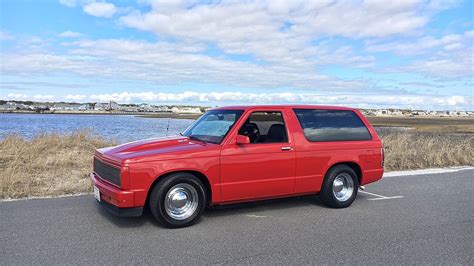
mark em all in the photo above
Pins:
pixel 168 125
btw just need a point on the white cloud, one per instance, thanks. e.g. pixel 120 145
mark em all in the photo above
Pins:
pixel 75 97
pixel 447 57
pixel 279 31
pixel 423 45
pixel 24 97
pixel 100 9
pixel 280 44
pixel 168 63
pixel 70 34
pixel 223 98
pixel 68 3
pixel 287 97
pixel 5 36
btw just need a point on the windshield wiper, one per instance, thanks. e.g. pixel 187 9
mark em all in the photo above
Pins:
pixel 195 138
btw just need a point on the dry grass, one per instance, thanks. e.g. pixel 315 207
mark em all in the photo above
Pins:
pixel 53 164
pixel 417 150
pixel 47 165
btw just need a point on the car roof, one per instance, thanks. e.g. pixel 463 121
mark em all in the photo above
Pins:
pixel 269 107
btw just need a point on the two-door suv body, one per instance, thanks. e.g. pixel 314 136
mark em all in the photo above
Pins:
pixel 241 153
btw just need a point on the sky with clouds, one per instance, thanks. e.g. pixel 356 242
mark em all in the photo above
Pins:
pixel 369 54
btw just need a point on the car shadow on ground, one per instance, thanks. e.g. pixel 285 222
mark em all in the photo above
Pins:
pixel 248 208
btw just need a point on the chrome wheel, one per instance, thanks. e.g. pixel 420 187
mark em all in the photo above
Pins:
pixel 181 201
pixel 343 187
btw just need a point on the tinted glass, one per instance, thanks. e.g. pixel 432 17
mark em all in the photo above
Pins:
pixel 332 125
pixel 265 127
pixel 213 126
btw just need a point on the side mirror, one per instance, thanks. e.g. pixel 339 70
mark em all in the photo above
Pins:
pixel 241 139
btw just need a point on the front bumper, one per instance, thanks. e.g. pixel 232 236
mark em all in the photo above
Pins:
pixel 118 202
pixel 122 212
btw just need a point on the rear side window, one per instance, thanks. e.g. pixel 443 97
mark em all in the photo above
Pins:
pixel 332 125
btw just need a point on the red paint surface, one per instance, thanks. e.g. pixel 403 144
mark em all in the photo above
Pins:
pixel 239 172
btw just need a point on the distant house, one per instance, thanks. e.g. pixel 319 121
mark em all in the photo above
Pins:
pixel 101 106
pixel 86 107
pixel 65 107
pixel 165 109
pixel 15 106
pixel 129 108
pixel 453 113
pixel 114 106
pixel 396 112
pixel 441 113
pixel 419 113
pixel 381 112
pixel 144 107
pixel 107 106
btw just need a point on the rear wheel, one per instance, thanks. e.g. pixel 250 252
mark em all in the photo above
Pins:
pixel 178 200
pixel 340 187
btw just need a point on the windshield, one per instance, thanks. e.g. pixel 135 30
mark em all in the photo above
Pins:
pixel 213 126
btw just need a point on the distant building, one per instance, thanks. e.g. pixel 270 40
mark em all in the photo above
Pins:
pixel 129 108
pixel 164 109
pixel 65 107
pixel 144 107
pixel 419 113
pixel 381 112
pixel 86 107
pixel 106 106
pixel 396 112
pixel 101 106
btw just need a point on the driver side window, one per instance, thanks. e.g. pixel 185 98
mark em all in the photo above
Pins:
pixel 265 127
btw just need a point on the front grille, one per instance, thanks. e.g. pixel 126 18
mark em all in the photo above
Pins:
pixel 107 172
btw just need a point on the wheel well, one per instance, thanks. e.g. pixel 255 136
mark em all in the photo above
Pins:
pixel 198 175
pixel 354 167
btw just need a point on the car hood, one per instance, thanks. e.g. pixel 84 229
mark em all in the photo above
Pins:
pixel 158 149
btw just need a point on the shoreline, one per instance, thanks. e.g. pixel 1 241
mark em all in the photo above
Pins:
pixel 136 114
pixel 167 114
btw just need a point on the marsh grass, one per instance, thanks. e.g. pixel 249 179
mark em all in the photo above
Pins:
pixel 55 164
pixel 418 150
pixel 47 165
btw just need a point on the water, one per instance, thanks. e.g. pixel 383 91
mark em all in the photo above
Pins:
pixel 123 128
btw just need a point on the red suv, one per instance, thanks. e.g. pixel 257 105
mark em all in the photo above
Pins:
pixel 238 154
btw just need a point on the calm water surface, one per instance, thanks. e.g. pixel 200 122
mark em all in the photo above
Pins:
pixel 122 128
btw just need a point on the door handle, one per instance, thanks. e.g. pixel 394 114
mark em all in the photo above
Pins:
pixel 288 148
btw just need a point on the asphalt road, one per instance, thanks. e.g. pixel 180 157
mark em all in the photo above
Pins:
pixel 431 223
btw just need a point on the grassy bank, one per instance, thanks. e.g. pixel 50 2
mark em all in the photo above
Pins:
pixel 53 164
pixel 47 165
pixel 418 150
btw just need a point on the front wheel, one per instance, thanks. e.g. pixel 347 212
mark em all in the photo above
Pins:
pixel 340 187
pixel 178 200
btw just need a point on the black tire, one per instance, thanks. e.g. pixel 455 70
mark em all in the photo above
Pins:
pixel 158 196
pixel 327 195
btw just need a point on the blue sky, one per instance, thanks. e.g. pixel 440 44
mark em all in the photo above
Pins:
pixel 369 54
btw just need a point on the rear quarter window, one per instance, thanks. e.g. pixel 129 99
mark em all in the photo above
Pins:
pixel 332 125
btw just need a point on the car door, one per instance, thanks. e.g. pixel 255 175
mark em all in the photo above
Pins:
pixel 263 168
